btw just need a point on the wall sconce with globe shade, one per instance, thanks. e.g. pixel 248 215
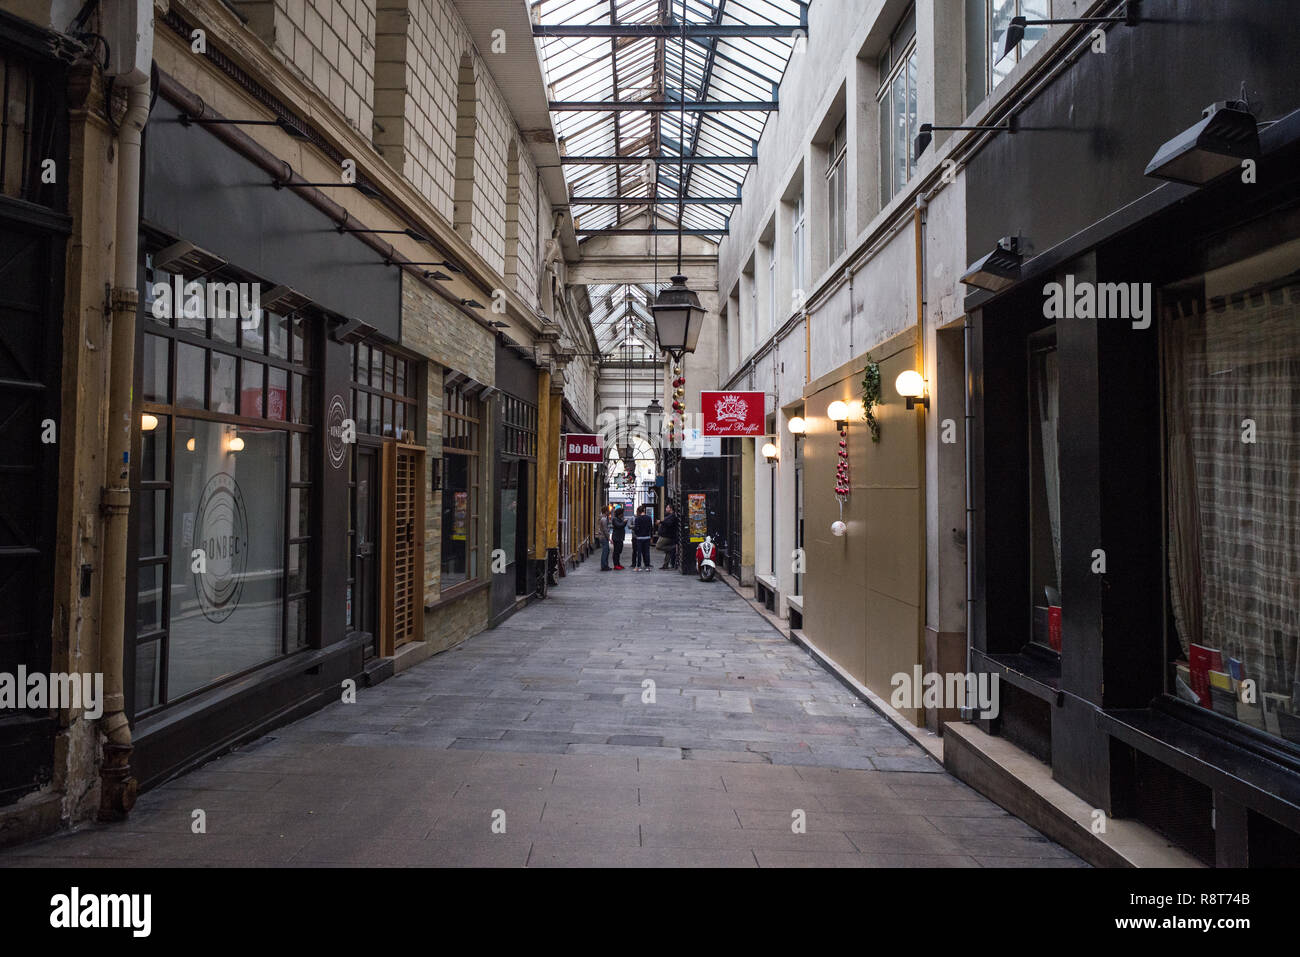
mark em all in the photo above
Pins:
pixel 148 422
pixel 911 386
pixel 770 453
pixel 235 442
pixel 838 412
pixel 797 425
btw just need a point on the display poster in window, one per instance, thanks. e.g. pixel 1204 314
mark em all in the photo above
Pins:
pixel 460 517
pixel 697 516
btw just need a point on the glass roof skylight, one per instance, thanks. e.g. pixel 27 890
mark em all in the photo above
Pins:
pixel 733 71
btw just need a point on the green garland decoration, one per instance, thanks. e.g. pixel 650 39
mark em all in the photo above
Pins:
pixel 871 396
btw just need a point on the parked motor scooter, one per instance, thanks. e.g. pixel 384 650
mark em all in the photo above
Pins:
pixel 707 554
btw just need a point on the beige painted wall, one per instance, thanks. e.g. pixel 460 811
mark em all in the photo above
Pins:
pixel 862 597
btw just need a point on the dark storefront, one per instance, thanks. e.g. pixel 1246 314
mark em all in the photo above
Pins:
pixel 1135 461
pixel 517 572
pixel 700 499
pixel 34 232
pixel 255 590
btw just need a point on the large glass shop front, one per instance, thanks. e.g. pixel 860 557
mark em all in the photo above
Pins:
pixel 222 504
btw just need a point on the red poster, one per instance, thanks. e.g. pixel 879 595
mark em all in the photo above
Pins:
pixel 733 413
pixel 1201 661
pixel 583 448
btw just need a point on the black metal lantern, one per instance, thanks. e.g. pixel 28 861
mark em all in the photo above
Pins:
pixel 678 318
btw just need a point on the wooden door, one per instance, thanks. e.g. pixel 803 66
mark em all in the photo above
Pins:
pixel 403 568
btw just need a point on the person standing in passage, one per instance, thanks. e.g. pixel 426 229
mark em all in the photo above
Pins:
pixel 603 530
pixel 642 531
pixel 668 532
pixel 618 533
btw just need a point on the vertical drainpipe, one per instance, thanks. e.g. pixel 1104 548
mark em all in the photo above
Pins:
pixel 918 228
pixel 117 787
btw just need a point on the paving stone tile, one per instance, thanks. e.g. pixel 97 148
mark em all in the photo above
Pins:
pixel 543 718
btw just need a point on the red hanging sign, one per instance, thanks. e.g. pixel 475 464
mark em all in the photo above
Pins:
pixel 733 413
pixel 583 448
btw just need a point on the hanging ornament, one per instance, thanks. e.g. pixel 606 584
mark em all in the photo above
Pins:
pixel 843 485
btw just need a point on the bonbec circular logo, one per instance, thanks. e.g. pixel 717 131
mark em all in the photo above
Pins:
pixel 221 530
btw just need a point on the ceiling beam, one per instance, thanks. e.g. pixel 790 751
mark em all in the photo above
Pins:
pixel 651 200
pixel 660 106
pixel 650 232
pixel 645 31
pixel 670 159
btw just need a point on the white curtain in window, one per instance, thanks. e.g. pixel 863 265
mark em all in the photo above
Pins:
pixel 1233 381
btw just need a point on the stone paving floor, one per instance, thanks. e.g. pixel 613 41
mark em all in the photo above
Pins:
pixel 543 727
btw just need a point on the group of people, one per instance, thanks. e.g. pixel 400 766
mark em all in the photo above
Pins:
pixel 613 528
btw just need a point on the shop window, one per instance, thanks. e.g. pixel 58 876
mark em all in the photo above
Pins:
pixel 1231 363
pixel 221 507
pixel 837 189
pixel 29 127
pixel 384 391
pixel 462 453
pixel 897 105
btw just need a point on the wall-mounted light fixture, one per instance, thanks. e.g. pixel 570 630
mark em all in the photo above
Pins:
pixel 797 425
pixel 997 270
pixel 148 422
pixel 189 444
pixel 925 131
pixel 911 386
pixel 1016 28
pixel 437 275
pixel 770 453
pixel 234 442
pixel 1226 134
pixel 838 412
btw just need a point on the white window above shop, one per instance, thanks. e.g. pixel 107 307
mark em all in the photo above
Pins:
pixel 897 104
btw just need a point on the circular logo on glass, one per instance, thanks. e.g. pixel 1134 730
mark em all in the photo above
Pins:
pixel 335 442
pixel 221 531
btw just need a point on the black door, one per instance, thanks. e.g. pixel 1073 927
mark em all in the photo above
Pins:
pixel 31 277
pixel 365 558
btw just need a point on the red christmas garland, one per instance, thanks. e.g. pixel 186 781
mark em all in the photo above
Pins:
pixel 842 483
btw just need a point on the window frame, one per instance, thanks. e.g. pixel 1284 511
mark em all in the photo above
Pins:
pixel 464 416
pixel 898 61
pixel 298 365
pixel 837 194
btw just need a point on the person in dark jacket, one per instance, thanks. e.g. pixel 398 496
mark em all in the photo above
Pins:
pixel 668 533
pixel 618 532
pixel 602 529
pixel 642 531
